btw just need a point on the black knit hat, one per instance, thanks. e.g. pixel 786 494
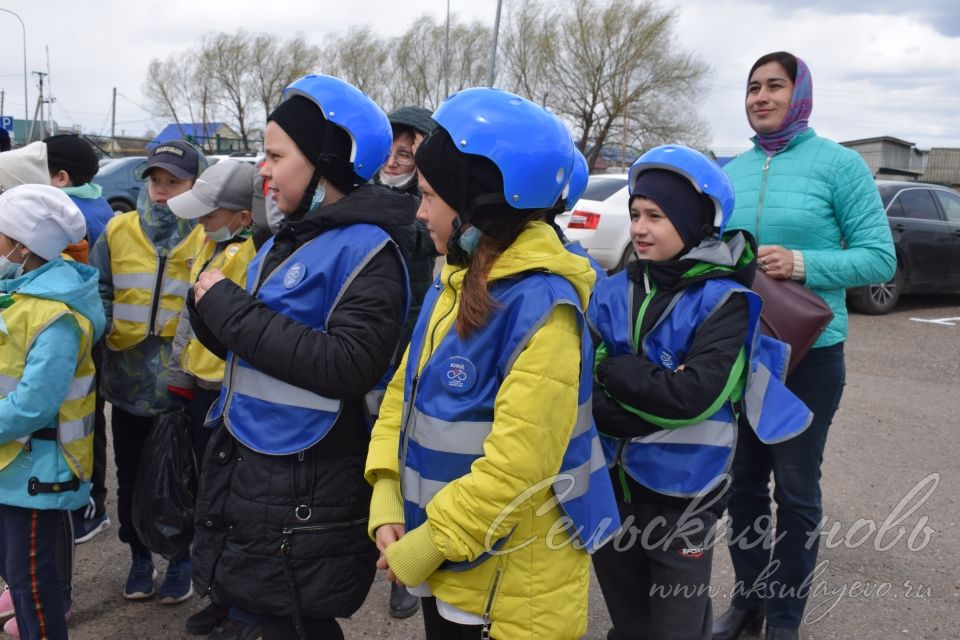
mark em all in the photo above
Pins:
pixel 416 118
pixel 74 155
pixel 464 181
pixel 326 146
pixel 690 212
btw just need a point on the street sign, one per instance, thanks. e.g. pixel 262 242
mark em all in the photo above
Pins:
pixel 6 122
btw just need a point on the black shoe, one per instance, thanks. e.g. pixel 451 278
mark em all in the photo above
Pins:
pixel 403 604
pixel 206 620
pixel 234 630
pixel 781 633
pixel 734 622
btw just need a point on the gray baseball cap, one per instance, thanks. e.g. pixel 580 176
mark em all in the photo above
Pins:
pixel 227 185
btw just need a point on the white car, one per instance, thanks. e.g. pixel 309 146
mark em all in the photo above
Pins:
pixel 601 220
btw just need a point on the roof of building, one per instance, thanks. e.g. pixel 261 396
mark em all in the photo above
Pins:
pixel 194 131
pixel 904 143
pixel 943 165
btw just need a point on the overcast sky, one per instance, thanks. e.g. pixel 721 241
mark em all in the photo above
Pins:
pixel 879 67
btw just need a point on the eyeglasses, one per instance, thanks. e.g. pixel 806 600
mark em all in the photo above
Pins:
pixel 402 158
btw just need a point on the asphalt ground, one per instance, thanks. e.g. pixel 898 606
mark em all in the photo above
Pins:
pixel 890 553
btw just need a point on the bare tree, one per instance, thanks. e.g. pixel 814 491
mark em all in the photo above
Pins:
pixel 227 59
pixel 275 64
pixel 361 58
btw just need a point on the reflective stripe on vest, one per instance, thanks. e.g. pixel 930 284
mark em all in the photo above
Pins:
pixel 24 321
pixel 266 414
pixel 689 460
pixel 448 420
pixel 139 285
pixel 232 261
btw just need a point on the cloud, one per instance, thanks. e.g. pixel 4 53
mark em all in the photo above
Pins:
pixel 942 15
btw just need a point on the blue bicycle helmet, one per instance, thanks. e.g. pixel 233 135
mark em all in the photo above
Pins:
pixel 704 174
pixel 529 145
pixel 353 111
pixel 578 181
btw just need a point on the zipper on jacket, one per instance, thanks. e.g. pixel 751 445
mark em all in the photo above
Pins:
pixel 764 172
pixel 416 379
pixel 157 292
pixel 488 607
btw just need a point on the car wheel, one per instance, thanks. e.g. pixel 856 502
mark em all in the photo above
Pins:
pixel 120 206
pixel 627 257
pixel 878 299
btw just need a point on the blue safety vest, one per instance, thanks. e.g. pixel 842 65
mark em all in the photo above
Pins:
pixel 690 460
pixel 448 408
pixel 269 415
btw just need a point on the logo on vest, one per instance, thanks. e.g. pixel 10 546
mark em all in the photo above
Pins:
pixel 294 275
pixel 459 374
pixel 666 358
pixel 231 250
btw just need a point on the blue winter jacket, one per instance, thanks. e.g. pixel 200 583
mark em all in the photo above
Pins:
pixel 817 197
pixel 48 372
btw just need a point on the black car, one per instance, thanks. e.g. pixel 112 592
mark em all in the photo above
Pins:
pixel 925 221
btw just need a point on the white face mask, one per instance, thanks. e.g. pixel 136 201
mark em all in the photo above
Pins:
pixel 8 268
pixel 396 182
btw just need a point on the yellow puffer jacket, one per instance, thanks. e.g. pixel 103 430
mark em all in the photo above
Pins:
pixel 540 589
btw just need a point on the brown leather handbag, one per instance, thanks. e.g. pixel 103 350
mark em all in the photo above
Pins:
pixel 792 314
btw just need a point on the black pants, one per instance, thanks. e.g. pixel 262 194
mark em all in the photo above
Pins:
pixel 282 628
pixel 439 628
pixel 655 574
pixel 200 435
pixel 130 434
pixel 28 541
pixel 98 490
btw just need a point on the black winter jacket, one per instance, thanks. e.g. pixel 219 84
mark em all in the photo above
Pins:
pixel 286 535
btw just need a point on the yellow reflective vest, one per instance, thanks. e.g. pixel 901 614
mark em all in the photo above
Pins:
pixel 148 290
pixel 25 319
pixel 197 360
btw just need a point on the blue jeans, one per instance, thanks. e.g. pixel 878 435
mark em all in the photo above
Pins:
pixel 768 578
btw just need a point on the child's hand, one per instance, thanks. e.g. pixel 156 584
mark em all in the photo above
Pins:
pixel 387 534
pixel 206 280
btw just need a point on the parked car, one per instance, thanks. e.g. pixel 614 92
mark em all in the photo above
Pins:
pixel 925 221
pixel 601 220
pixel 242 157
pixel 121 182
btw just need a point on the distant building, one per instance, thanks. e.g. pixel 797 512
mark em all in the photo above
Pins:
pixel 890 158
pixel 214 137
pixel 943 167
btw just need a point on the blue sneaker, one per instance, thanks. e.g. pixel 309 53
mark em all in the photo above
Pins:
pixel 85 529
pixel 176 586
pixel 140 579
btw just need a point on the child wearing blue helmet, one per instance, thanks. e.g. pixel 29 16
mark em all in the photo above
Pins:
pixel 282 504
pixel 489 485
pixel 678 351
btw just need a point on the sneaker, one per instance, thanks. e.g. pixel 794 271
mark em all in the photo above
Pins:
pixel 6 604
pixel 85 529
pixel 12 630
pixel 403 604
pixel 177 585
pixel 206 620
pixel 233 630
pixel 140 579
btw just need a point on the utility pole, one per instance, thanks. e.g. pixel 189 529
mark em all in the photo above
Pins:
pixel 113 119
pixel 51 99
pixel 38 109
pixel 2 96
pixel 493 49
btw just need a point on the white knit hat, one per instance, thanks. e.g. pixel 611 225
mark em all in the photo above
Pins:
pixel 24 166
pixel 41 218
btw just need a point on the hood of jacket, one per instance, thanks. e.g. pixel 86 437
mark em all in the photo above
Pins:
pixel 537 248
pixel 391 210
pixel 734 256
pixel 72 283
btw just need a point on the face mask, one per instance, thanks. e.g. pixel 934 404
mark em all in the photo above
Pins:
pixel 396 182
pixel 319 195
pixel 8 268
pixel 223 233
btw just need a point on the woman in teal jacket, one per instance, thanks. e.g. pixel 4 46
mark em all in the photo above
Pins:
pixel 814 209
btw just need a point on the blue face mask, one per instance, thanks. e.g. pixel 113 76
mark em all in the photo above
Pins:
pixel 319 195
pixel 223 234
pixel 10 269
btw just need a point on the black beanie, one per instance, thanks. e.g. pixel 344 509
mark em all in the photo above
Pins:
pixel 690 212
pixel 461 178
pixel 324 144
pixel 74 155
